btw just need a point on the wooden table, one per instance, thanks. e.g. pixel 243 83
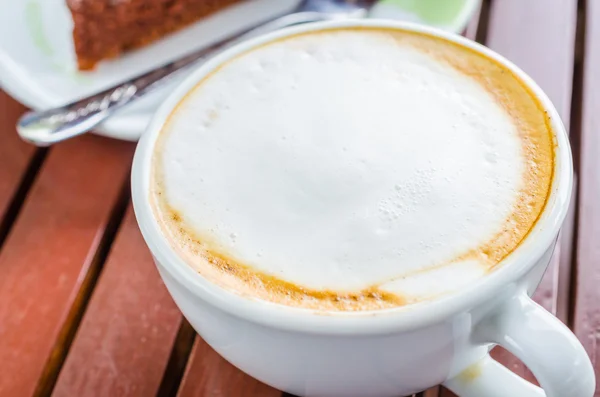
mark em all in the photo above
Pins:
pixel 84 313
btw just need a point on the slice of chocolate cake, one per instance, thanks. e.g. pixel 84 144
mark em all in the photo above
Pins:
pixel 106 28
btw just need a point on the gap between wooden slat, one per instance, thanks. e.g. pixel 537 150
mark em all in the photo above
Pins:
pixel 433 392
pixel 16 161
pixel 482 25
pixel 128 331
pixel 577 95
pixel 178 360
pixel 444 393
pixel 575 138
pixel 585 302
pixel 208 374
pixel 67 333
pixel 21 193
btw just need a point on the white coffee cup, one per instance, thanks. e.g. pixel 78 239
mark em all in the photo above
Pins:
pixel 396 351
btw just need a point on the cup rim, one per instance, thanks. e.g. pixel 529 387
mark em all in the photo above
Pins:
pixel 397 319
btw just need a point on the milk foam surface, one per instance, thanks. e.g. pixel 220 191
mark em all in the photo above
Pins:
pixel 344 160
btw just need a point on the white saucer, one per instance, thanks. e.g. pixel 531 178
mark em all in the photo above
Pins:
pixel 37 64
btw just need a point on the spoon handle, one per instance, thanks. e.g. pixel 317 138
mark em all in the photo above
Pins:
pixel 44 128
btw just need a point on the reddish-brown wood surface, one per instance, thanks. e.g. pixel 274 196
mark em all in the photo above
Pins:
pixel 49 252
pixel 125 339
pixel 210 375
pixel 83 315
pixel 587 308
pixel 15 155
pixel 435 392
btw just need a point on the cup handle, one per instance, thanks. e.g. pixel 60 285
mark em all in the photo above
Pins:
pixel 550 350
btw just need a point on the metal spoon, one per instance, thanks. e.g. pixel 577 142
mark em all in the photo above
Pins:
pixel 44 128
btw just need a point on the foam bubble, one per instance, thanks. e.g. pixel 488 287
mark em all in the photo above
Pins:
pixel 344 160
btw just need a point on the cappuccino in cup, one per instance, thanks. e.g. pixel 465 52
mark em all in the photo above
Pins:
pixel 352 169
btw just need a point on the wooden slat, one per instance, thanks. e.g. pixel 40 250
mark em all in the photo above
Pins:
pixel 445 393
pixel 473 26
pixel 49 254
pixel 123 344
pixel 208 374
pixel 15 155
pixel 587 310
pixel 435 392
pixel 539 37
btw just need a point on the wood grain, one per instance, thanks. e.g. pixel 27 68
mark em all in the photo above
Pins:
pixel 587 309
pixel 435 392
pixel 209 375
pixel 49 253
pixel 129 328
pixel 539 37
pixel 446 393
pixel 126 336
